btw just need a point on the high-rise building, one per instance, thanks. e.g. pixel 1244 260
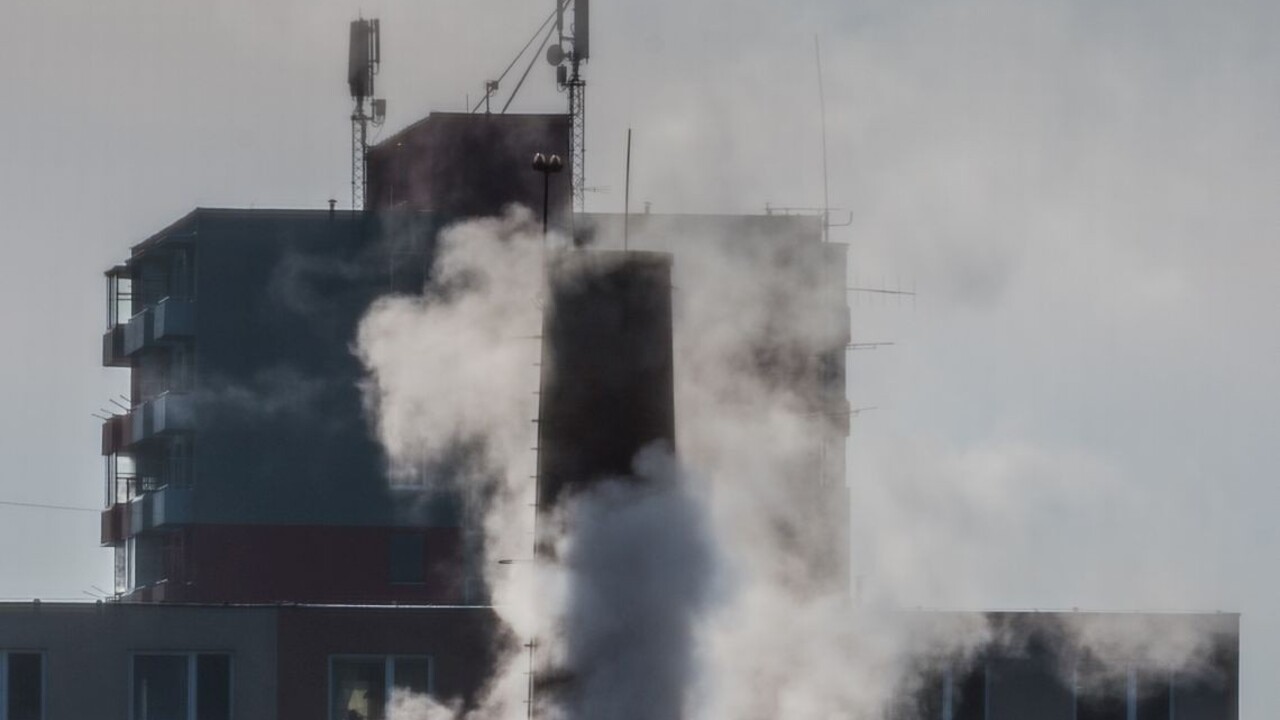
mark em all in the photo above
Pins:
pixel 244 469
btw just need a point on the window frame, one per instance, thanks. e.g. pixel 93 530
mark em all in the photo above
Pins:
pixel 388 670
pixel 192 658
pixel 4 681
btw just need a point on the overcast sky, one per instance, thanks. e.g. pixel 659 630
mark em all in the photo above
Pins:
pixel 1080 408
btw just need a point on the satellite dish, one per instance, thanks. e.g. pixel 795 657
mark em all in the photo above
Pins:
pixel 555 54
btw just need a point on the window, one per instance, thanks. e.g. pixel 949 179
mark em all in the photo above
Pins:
pixel 407 558
pixel 21 686
pixel 360 687
pixel 121 474
pixel 122 568
pixel 181 686
pixel 119 296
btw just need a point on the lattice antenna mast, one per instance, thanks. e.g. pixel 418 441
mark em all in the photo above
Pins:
pixel 569 77
pixel 363 63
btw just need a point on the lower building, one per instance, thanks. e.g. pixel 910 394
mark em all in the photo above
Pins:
pixel 149 661
pixel 1084 666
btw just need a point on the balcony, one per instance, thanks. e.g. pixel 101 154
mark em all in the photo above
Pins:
pixel 166 414
pixel 136 425
pixel 113 354
pixel 169 320
pixel 171 413
pixel 115 526
pixel 171 505
pixel 115 434
pixel 137 331
pixel 166 506
pixel 174 320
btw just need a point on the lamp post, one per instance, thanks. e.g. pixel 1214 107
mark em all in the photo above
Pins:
pixel 546 165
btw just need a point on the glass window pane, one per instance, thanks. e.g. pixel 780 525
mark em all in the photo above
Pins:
pixel 359 689
pixel 213 687
pixel 413 674
pixel 407 558
pixel 26 689
pixel 160 687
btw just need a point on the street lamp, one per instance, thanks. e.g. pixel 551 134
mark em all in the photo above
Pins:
pixel 546 165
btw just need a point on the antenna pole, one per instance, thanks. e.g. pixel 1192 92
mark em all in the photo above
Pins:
pixel 364 57
pixel 626 198
pixel 822 110
pixel 359 153
pixel 578 100
pixel 578 135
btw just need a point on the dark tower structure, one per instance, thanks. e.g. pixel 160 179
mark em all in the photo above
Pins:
pixel 460 165
pixel 607 388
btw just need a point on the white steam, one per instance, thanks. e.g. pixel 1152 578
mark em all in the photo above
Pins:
pixel 638 557
pixel 716 588
pixel 453 381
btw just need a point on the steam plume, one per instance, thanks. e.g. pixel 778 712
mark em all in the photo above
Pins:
pixel 708 593
pixel 452 385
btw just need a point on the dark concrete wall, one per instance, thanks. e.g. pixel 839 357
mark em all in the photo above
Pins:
pixel 282 436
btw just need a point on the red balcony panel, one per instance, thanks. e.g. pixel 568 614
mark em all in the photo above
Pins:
pixel 113 354
pixel 113 530
pixel 113 434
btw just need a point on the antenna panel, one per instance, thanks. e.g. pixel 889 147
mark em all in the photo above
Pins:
pixel 581 29
pixel 360 59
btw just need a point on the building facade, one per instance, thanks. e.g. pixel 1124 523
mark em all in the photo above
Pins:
pixel 243 469
pixel 167 661
pixel 245 436
pixel 1085 666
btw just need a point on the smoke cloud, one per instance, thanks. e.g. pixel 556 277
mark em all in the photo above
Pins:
pixel 453 377
pixel 639 558
pixel 717 587
pixel 758 312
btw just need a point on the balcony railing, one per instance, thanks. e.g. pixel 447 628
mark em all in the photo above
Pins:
pixel 166 414
pixel 115 525
pixel 170 413
pixel 113 354
pixel 115 434
pixel 137 331
pixel 174 319
pixel 154 507
pixel 170 320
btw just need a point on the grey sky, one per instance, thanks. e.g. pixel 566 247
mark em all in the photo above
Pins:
pixel 1081 407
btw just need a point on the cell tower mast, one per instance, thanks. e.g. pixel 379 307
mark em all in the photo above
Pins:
pixel 569 76
pixel 363 62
